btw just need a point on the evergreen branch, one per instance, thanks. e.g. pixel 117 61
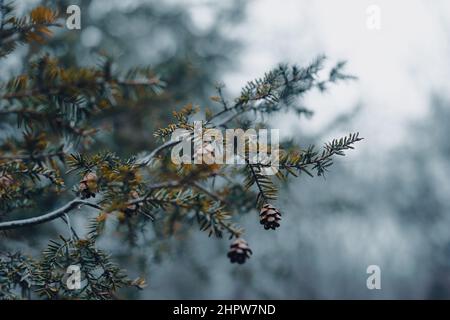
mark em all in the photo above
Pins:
pixel 322 161
pixel 278 88
pixel 15 30
pixel 266 189
pixel 151 188
pixel 175 184
pixel 20 33
pixel 215 221
pixel 258 184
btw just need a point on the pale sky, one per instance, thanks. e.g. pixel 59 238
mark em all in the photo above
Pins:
pixel 398 66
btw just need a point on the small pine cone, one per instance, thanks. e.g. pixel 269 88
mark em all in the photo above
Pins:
pixel 239 251
pixel 270 217
pixel 132 208
pixel 88 185
pixel 6 181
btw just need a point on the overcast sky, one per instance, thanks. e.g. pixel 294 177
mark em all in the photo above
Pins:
pixel 398 65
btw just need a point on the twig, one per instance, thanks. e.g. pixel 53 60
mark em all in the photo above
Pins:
pixel 146 160
pixel 168 184
pixel 59 213
pixel 48 216
pixel 72 231
pixel 261 190
pixel 206 191
pixel 18 36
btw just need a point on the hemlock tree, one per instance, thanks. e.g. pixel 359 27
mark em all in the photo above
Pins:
pixel 55 108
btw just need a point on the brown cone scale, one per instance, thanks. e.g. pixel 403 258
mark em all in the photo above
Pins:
pixel 239 251
pixel 270 217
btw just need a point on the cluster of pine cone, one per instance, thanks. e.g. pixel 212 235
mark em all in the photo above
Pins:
pixel 270 218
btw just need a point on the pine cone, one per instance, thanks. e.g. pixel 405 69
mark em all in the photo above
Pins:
pixel 132 208
pixel 88 185
pixel 6 180
pixel 239 251
pixel 270 217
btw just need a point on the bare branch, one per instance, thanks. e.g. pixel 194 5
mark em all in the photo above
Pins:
pixel 48 216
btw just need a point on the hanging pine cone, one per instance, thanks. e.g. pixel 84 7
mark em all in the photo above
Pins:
pixel 6 180
pixel 88 186
pixel 239 251
pixel 132 208
pixel 270 217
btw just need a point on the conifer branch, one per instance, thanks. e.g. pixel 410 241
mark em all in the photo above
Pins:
pixel 76 203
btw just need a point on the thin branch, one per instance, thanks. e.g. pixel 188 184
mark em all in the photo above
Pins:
pixel 66 220
pixel 168 184
pixel 230 118
pixel 58 213
pixel 224 111
pixel 146 160
pixel 261 190
pixel 207 192
pixel 48 216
